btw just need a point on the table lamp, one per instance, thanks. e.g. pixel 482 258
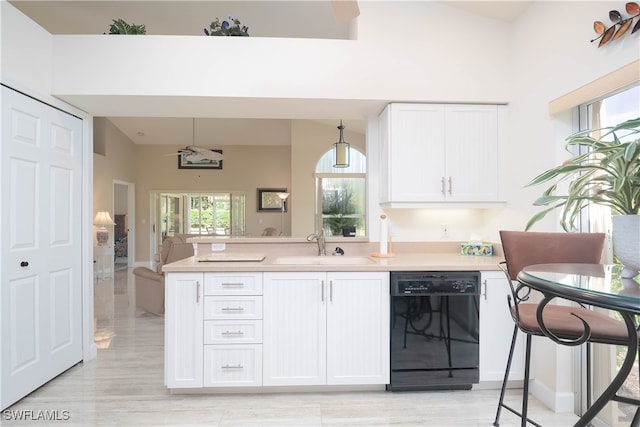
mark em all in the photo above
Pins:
pixel 102 219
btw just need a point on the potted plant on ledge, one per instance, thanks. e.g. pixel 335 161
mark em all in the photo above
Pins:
pixel 120 26
pixel 608 175
pixel 232 27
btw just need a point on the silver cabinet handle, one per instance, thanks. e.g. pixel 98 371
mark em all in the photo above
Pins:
pixel 331 290
pixel 233 309
pixel 239 284
pixel 227 366
pixel 450 186
pixel 198 292
pixel 237 333
pixel 484 293
pixel 322 289
pixel 442 188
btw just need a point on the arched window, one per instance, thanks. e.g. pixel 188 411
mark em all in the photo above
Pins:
pixel 340 195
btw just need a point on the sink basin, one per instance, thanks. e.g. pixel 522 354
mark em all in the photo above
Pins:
pixel 323 260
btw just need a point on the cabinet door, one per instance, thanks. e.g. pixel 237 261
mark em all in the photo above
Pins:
pixel 294 329
pixel 496 330
pixel 471 156
pixel 358 328
pixel 414 152
pixel 183 329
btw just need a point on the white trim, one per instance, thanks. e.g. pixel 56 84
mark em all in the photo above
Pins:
pixel 557 402
pixel 615 80
pixel 131 213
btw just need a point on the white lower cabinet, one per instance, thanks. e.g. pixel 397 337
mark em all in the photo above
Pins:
pixel 496 330
pixel 213 328
pixel 183 326
pixel 326 328
pixel 231 329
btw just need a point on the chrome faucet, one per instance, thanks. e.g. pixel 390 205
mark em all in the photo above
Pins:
pixel 319 238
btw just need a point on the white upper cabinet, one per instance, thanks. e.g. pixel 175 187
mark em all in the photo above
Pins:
pixel 444 154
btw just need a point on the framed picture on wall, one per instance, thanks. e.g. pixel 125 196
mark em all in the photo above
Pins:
pixel 268 200
pixel 191 161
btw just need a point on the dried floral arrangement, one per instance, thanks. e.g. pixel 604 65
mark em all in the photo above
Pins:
pixel 620 24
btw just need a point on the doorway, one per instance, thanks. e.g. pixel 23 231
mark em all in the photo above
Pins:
pixel 123 232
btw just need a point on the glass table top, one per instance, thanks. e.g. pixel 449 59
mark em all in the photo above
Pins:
pixel 598 279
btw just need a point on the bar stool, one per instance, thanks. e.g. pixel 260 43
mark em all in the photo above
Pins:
pixel 565 322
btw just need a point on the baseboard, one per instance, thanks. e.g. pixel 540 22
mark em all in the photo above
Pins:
pixel 557 402
pixel 148 264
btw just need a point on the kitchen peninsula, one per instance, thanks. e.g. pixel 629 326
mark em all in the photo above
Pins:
pixel 299 321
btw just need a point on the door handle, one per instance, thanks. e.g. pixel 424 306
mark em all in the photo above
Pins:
pixel 24 264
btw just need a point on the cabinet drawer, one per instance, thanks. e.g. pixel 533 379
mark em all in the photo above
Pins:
pixel 233 284
pixel 232 365
pixel 232 307
pixel 233 332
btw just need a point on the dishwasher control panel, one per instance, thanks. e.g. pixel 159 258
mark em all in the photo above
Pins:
pixel 435 283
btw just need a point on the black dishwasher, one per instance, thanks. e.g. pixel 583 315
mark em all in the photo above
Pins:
pixel 434 330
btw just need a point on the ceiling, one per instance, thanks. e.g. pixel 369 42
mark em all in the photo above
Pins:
pixel 267 18
pixel 206 131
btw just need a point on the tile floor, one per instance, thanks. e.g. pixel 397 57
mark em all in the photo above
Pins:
pixel 123 386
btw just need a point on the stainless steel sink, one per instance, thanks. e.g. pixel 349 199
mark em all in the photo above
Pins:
pixel 323 260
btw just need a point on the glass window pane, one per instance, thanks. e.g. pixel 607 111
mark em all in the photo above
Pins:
pixel 609 111
pixel 209 213
pixel 343 205
pixel 357 163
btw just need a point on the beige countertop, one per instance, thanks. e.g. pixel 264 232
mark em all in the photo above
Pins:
pixel 423 261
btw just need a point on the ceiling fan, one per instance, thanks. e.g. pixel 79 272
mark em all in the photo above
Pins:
pixel 196 154
pixel 193 153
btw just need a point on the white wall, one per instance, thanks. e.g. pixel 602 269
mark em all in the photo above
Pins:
pixel 411 51
pixel 26 52
pixel 548 61
pixel 546 64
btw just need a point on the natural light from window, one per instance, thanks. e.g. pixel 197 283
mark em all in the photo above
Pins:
pixel 341 195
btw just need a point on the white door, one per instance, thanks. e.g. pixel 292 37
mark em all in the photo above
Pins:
pixel 496 330
pixel 40 278
pixel 358 328
pixel 417 152
pixel 472 153
pixel 183 329
pixel 294 329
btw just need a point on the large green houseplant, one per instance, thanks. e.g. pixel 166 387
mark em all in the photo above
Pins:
pixel 607 174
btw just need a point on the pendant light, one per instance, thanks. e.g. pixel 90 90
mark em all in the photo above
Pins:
pixel 341 151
